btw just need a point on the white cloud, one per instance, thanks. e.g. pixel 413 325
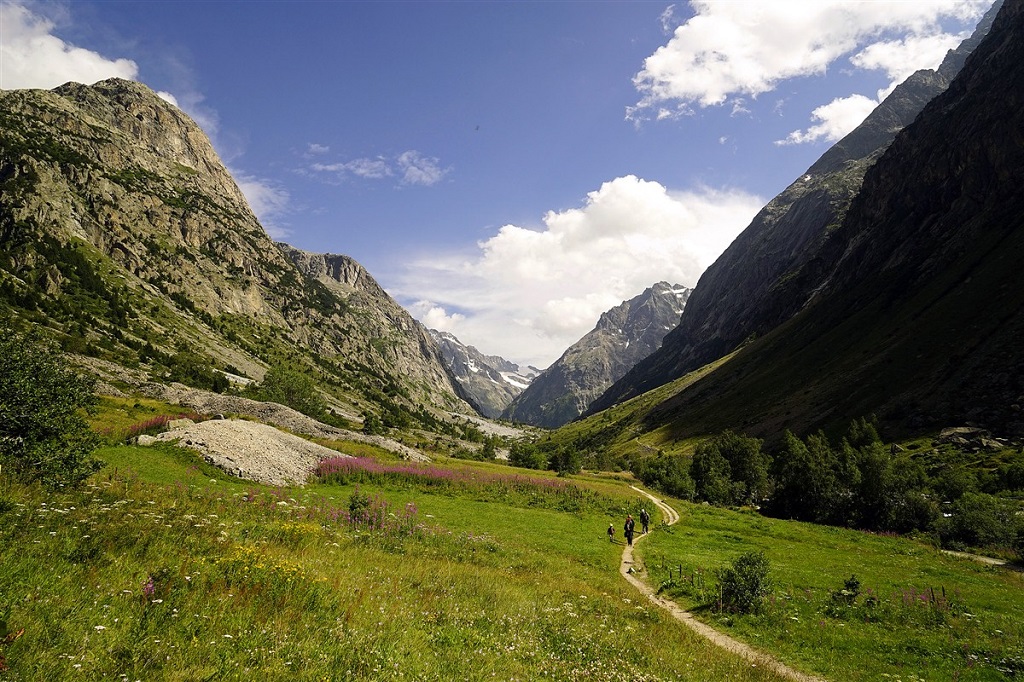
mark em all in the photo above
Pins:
pixel 835 120
pixel 435 317
pixel 315 148
pixel 168 97
pixel 528 294
pixel 738 49
pixel 420 170
pixel 410 166
pixel 32 57
pixel 900 58
pixel 267 200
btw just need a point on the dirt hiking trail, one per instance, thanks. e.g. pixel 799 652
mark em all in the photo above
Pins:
pixel 628 571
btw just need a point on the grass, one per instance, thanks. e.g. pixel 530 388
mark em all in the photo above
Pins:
pixel 165 568
pixel 118 419
pixel 162 569
pixel 919 614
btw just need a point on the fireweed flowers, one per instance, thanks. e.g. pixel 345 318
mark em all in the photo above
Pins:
pixel 512 489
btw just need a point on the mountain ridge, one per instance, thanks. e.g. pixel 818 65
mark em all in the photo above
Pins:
pixel 622 337
pixel 489 382
pixel 122 231
pixel 914 314
pixel 754 286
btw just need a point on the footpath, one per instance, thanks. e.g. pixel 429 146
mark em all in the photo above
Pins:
pixel 671 517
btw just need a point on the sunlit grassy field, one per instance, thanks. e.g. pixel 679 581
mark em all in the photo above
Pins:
pixel 917 614
pixel 162 568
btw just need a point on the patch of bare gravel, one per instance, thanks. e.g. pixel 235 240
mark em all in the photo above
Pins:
pixel 282 416
pixel 255 452
pixel 492 428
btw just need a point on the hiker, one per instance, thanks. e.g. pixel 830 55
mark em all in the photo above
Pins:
pixel 645 520
pixel 628 528
pixel 611 532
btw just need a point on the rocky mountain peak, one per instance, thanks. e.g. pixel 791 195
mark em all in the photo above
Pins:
pixel 489 382
pixel 622 337
pixel 110 185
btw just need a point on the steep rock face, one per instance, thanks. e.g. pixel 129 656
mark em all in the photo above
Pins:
pixel 917 313
pixel 130 174
pixel 623 336
pixel 112 198
pixel 759 281
pixel 406 345
pixel 489 382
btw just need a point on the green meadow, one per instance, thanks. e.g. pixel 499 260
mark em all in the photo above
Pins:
pixel 846 604
pixel 160 567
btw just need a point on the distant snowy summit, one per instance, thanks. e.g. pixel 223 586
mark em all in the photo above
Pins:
pixel 490 382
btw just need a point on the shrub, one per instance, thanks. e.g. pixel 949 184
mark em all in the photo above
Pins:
pixel 527 455
pixel 566 460
pixel 43 435
pixel 668 473
pixel 292 388
pixel 979 520
pixel 711 475
pixel 744 586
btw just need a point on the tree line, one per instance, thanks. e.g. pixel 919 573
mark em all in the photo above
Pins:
pixel 857 482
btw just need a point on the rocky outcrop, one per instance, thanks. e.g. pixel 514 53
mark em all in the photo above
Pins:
pixel 761 280
pixel 622 337
pixel 119 223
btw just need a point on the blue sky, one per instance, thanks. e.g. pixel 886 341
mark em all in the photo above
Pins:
pixel 506 170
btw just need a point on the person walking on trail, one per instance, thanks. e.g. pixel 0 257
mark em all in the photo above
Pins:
pixel 628 528
pixel 645 520
pixel 611 532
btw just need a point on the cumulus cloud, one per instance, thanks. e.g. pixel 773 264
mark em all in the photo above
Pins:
pixel 730 50
pixel 435 316
pixel 900 58
pixel 270 202
pixel 32 57
pixel 527 294
pixel 834 120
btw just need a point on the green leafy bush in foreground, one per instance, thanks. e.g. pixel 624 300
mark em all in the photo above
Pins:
pixel 43 434
pixel 745 585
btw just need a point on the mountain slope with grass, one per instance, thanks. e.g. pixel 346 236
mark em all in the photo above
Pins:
pixel 915 313
pixel 123 235
pixel 760 281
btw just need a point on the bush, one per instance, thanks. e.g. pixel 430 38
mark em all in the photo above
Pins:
pixel 744 586
pixel 668 473
pixel 566 460
pixel 43 436
pixel 979 520
pixel 292 388
pixel 711 475
pixel 372 425
pixel 527 455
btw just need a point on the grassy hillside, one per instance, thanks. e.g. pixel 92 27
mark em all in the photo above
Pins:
pixel 163 568
pixel 917 613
